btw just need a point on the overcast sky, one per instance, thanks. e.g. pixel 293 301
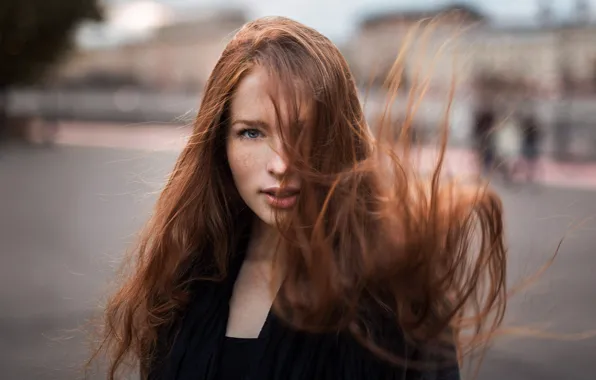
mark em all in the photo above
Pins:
pixel 337 18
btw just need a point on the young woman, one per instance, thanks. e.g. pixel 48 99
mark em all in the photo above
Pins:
pixel 288 245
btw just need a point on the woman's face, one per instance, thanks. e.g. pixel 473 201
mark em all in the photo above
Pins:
pixel 254 149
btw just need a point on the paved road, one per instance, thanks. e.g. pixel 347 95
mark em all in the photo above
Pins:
pixel 69 212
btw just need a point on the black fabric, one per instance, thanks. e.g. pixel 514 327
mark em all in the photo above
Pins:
pixel 237 355
pixel 280 352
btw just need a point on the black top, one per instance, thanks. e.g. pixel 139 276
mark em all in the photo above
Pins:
pixel 237 355
pixel 198 347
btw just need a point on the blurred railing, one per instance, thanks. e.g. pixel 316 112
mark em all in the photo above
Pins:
pixel 139 106
pixel 123 105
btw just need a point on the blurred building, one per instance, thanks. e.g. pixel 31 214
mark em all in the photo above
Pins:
pixel 463 44
pixel 176 56
pixel 381 36
pixel 545 58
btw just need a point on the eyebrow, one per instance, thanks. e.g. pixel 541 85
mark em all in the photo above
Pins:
pixel 251 123
pixel 261 124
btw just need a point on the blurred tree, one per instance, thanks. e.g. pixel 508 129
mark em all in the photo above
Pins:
pixel 34 35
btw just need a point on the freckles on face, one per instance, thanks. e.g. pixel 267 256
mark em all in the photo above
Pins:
pixel 241 159
pixel 244 160
pixel 249 139
pixel 254 149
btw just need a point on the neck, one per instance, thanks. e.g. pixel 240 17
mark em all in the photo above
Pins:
pixel 263 241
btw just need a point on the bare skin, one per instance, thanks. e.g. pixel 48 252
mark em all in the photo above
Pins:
pixel 257 162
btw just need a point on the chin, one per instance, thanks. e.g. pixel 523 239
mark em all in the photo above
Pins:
pixel 269 216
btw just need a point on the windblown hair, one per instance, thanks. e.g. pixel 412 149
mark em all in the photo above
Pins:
pixel 368 229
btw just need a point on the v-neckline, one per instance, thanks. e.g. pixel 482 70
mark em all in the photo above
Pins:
pixel 235 267
pixel 260 342
pixel 230 291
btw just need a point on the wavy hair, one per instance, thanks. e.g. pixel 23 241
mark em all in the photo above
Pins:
pixel 368 229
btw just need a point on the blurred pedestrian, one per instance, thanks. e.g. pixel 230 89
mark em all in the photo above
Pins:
pixel 530 133
pixel 484 141
pixel 280 247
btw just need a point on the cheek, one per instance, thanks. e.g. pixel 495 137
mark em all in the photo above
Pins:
pixel 243 162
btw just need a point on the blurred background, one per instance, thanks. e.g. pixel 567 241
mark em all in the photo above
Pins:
pixel 96 98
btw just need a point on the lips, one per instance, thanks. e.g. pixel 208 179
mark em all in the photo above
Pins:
pixel 281 198
pixel 281 193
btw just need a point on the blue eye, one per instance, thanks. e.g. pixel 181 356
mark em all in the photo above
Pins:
pixel 250 133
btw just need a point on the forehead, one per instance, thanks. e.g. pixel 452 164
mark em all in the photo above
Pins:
pixel 258 94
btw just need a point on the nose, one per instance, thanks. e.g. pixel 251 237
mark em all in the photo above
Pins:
pixel 277 165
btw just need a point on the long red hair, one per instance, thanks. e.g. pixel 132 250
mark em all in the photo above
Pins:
pixel 368 226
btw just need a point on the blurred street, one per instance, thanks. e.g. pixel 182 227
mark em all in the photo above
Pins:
pixel 71 210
